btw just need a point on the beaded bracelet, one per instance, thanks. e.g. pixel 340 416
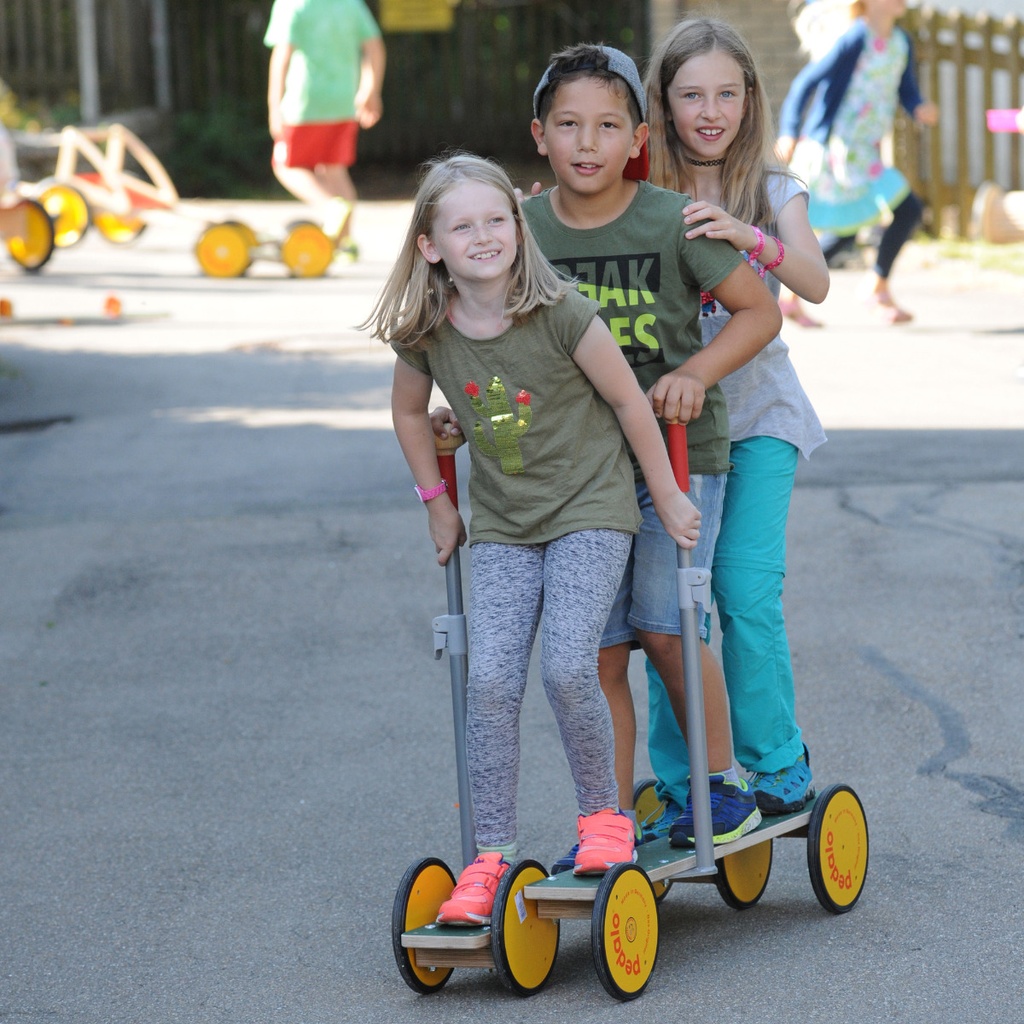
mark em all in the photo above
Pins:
pixel 758 246
pixel 778 259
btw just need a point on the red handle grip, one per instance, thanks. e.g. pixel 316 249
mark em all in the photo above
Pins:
pixel 678 455
pixel 446 448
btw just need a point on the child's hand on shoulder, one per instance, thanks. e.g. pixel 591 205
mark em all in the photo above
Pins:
pixel 713 222
pixel 680 517
pixel 535 190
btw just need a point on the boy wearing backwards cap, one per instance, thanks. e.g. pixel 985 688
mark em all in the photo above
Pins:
pixel 623 240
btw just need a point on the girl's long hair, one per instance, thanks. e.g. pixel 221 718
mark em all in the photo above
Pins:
pixel 416 294
pixel 750 159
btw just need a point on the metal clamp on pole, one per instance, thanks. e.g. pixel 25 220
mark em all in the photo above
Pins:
pixel 450 631
pixel 694 586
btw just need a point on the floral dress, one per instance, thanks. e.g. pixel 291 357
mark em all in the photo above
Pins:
pixel 850 185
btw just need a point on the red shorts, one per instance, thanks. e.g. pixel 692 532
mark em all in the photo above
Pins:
pixel 307 145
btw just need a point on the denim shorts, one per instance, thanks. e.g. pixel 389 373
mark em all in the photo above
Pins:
pixel 648 597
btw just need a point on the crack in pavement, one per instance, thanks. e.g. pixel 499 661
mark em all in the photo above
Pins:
pixel 999 797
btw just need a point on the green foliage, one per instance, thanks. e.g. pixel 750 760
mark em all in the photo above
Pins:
pixel 984 255
pixel 222 154
pixel 35 117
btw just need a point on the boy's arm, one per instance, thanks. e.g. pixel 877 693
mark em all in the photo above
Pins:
pixel 369 103
pixel 755 320
pixel 280 58
pixel 601 360
pixel 410 394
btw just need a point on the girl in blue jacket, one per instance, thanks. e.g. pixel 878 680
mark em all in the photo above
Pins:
pixel 833 121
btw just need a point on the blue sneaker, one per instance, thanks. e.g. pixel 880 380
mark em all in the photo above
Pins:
pixel 785 791
pixel 734 813
pixel 657 827
pixel 566 862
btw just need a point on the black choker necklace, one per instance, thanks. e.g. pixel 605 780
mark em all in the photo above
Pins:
pixel 706 163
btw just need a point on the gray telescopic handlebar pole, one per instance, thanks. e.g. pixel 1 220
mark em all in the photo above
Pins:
pixel 450 631
pixel 691 583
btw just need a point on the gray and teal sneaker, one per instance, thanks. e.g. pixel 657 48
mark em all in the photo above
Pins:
pixel 657 828
pixel 784 791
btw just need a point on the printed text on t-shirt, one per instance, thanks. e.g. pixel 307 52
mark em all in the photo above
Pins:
pixel 626 286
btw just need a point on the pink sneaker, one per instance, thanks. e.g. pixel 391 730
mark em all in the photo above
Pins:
pixel 472 899
pixel 606 838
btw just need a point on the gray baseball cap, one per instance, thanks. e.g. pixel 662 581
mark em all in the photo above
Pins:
pixel 615 61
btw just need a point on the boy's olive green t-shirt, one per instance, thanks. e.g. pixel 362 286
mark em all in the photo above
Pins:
pixel 647 277
pixel 547 453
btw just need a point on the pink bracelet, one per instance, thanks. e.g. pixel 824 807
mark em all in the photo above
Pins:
pixel 758 246
pixel 430 493
pixel 778 259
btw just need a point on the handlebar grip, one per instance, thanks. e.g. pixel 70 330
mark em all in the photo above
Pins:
pixel 678 455
pixel 446 448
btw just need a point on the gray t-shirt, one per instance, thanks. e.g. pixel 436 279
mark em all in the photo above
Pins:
pixel 764 396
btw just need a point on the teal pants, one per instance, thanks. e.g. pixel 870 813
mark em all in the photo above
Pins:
pixel 747 576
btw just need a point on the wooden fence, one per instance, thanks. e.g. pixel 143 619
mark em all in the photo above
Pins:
pixel 472 86
pixel 39 53
pixel 966 65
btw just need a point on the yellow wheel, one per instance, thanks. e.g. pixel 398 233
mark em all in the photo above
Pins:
pixel 649 807
pixel 119 230
pixel 523 945
pixel 624 931
pixel 424 887
pixel 837 848
pixel 646 802
pixel 33 245
pixel 67 209
pixel 743 876
pixel 306 251
pixel 224 250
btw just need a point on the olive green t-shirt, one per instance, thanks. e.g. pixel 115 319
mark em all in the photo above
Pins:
pixel 547 455
pixel 647 277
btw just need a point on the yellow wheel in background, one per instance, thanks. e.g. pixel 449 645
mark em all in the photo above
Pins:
pixel 224 250
pixel 67 209
pixel 306 251
pixel 119 230
pixel 624 931
pixel 247 233
pixel 424 887
pixel 34 245
pixel 649 807
pixel 742 876
pixel 837 848
pixel 523 945
pixel 646 802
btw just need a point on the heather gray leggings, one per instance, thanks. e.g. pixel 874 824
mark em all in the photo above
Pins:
pixel 575 579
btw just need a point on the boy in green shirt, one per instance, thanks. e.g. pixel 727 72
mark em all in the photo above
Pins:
pixel 326 73
pixel 624 241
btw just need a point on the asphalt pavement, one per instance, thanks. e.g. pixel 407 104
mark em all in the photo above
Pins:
pixel 223 736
